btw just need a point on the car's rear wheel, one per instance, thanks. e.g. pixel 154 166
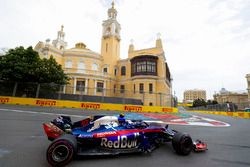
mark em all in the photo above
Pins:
pixel 182 143
pixel 62 150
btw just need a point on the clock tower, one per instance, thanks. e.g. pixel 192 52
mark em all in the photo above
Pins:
pixel 110 48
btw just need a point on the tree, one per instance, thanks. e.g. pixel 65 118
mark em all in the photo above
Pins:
pixel 51 72
pixel 199 102
pixel 214 102
pixel 209 102
pixel 25 65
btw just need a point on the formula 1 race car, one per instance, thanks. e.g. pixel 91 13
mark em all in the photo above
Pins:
pixel 111 135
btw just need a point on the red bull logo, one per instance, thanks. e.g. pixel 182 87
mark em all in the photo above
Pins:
pixel 121 142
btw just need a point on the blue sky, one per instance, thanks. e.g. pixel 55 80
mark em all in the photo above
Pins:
pixel 206 42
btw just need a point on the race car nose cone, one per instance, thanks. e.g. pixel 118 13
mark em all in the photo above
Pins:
pixel 199 146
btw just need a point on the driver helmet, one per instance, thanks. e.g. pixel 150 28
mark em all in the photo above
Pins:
pixel 121 119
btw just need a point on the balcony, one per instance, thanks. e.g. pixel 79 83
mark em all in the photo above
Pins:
pixel 144 65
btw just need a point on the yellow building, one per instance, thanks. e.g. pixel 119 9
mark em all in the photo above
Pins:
pixel 191 95
pixel 143 75
pixel 224 96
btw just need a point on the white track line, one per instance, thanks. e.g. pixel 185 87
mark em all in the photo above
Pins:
pixel 35 112
pixel 78 116
pixel 3 152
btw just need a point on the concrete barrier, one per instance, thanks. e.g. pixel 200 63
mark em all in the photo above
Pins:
pixel 85 105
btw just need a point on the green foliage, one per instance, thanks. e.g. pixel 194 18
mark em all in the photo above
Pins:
pixel 201 102
pixel 214 102
pixel 209 102
pixel 25 65
pixel 50 71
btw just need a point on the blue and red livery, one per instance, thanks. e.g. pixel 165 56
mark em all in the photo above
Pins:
pixel 105 135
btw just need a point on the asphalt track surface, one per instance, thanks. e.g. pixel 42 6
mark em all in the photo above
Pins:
pixel 23 143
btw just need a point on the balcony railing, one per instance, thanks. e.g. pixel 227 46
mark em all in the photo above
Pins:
pixel 87 72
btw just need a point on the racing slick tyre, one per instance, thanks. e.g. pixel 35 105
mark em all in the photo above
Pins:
pixel 182 143
pixel 61 151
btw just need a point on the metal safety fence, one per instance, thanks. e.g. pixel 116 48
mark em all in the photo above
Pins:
pixel 88 94
pixel 230 107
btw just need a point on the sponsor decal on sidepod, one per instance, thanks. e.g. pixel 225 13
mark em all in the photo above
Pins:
pixel 121 142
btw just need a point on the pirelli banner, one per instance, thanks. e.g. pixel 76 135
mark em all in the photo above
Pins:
pixel 84 105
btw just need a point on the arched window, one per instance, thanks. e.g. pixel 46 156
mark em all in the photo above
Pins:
pixel 115 71
pixel 123 70
pixel 68 64
pixel 108 29
pixel 141 87
pixel 150 88
pixel 95 67
pixel 105 69
pixel 122 88
pixel 81 67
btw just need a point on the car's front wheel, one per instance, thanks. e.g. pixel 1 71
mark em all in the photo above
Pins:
pixel 182 143
pixel 62 150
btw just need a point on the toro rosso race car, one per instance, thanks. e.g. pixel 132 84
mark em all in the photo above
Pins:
pixel 111 135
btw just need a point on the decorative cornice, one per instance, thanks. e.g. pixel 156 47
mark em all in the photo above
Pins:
pixel 145 77
pixel 68 54
pixel 53 49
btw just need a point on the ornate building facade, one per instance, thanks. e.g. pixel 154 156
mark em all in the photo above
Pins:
pixel 224 96
pixel 191 95
pixel 143 75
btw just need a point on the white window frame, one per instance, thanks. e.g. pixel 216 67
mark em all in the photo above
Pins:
pixel 81 67
pixel 95 67
pixel 68 64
